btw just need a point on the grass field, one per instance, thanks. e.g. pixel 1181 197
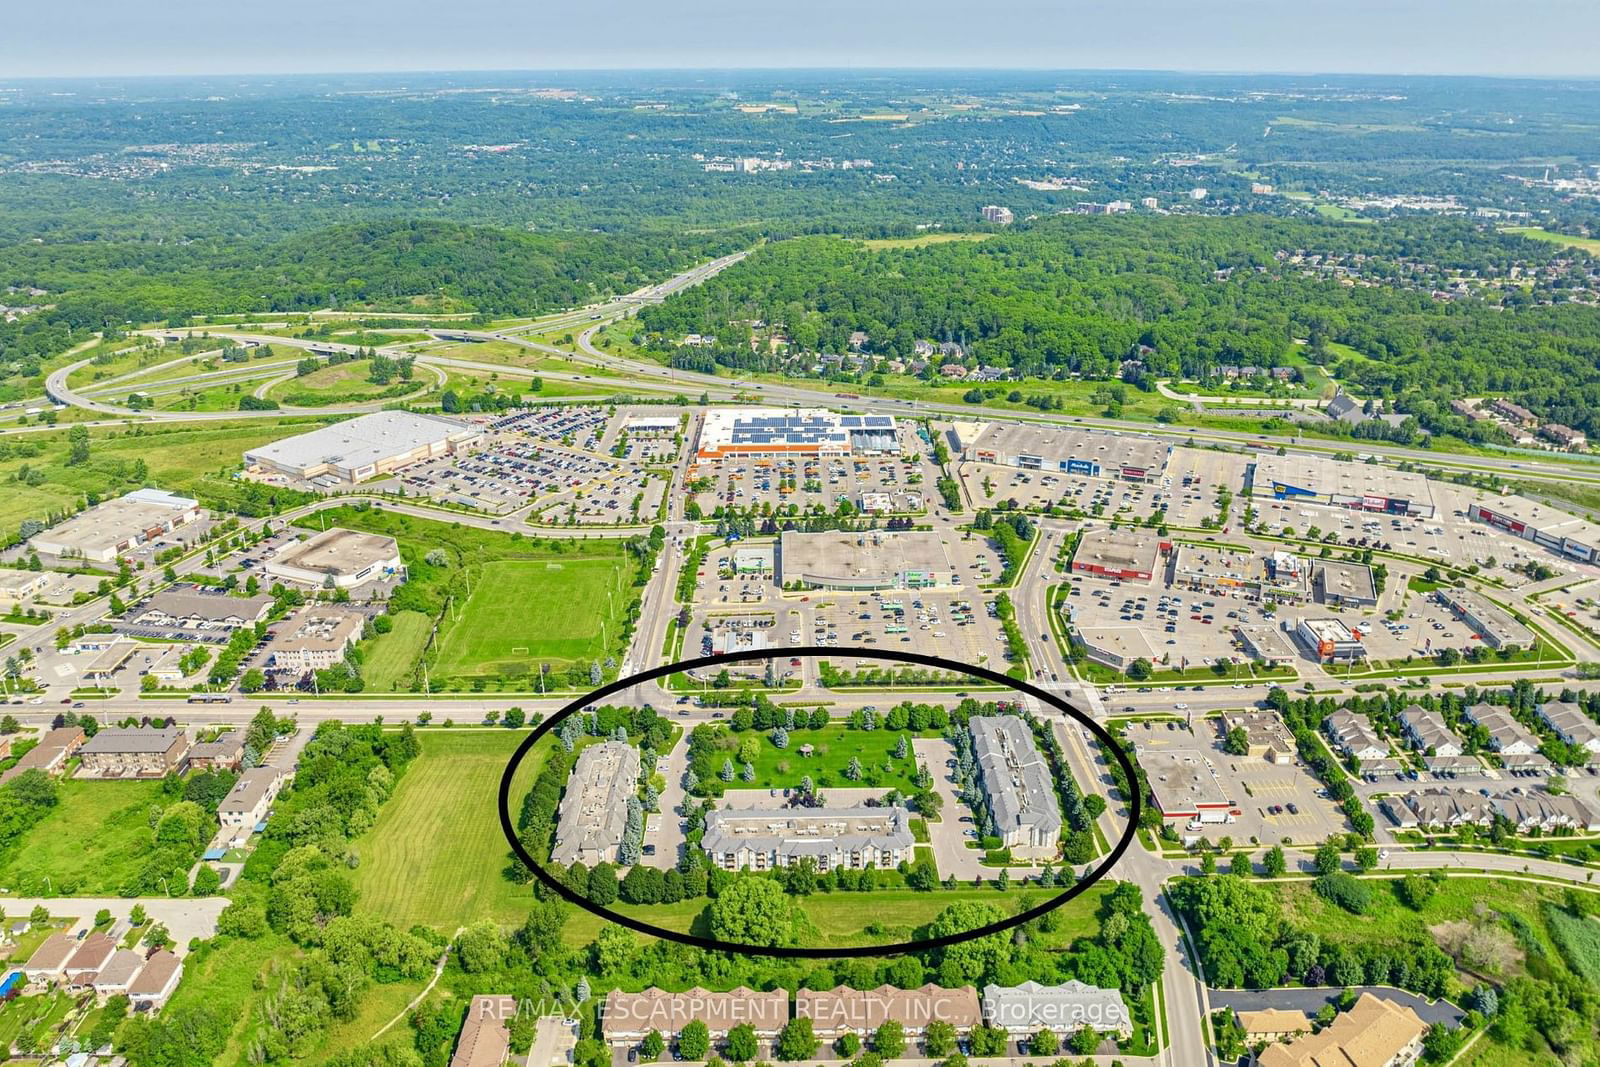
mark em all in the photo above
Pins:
pixel 391 656
pixel 341 383
pixel 95 837
pixel 1587 244
pixel 178 457
pixel 520 614
pixel 532 601
pixel 436 854
pixel 924 240
pixel 835 746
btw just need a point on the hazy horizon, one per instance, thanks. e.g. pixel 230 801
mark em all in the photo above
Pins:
pixel 1468 38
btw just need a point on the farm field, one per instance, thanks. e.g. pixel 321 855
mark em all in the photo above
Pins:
pixel 924 240
pixel 1587 244
pixel 520 614
pixel 436 854
pixel 96 836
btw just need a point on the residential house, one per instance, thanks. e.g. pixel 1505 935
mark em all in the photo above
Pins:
pixel 1023 1010
pixel 485 1039
pixel 247 803
pixel 49 961
pixel 93 953
pixel 118 973
pixel 1571 724
pixel 1427 732
pixel 224 753
pixel 1272 1024
pixel 1507 736
pixel 1374 1033
pixel 50 755
pixel 155 981
pixel 841 1010
pixel 1353 735
pixel 626 1018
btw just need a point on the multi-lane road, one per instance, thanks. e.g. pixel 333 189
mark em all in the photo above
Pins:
pixel 1185 993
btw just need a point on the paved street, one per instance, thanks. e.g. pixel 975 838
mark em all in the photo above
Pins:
pixel 184 917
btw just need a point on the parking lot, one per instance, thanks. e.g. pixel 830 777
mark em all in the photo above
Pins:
pixel 1277 802
pixel 955 623
pixel 988 484
pixel 1182 626
pixel 880 483
pixel 576 427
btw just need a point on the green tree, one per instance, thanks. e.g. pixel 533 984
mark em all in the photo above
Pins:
pixel 651 1048
pixel 797 1040
pixel 753 911
pixel 939 1038
pixel 694 1041
pixel 1273 864
pixel 741 1044
pixel 1044 1043
pixel 889 1040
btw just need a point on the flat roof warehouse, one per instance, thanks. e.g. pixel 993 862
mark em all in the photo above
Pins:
pixel 814 431
pixel 1341 483
pixel 1061 448
pixel 363 447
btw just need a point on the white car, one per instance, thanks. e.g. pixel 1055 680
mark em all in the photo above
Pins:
pixel 1181 706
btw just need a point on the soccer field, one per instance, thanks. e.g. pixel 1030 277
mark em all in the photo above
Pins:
pixel 526 612
pixel 436 854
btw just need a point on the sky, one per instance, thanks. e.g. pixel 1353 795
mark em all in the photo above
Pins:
pixel 141 37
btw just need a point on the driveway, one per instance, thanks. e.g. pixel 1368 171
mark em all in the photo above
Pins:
pixel 665 830
pixel 1311 1001
pixel 950 851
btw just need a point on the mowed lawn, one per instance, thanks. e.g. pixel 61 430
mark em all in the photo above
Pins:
pixel 833 747
pixel 96 836
pixel 526 612
pixel 390 657
pixel 436 854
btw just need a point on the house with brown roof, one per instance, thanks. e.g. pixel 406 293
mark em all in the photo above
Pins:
pixel 841 1010
pixel 224 753
pixel 93 953
pixel 1374 1033
pixel 50 755
pixel 118 973
pixel 485 1039
pixel 1272 1024
pixel 49 960
pixel 156 980
pixel 627 1017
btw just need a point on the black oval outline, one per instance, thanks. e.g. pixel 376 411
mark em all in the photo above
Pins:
pixel 800 952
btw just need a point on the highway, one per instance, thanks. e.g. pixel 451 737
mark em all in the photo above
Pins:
pixel 1186 1001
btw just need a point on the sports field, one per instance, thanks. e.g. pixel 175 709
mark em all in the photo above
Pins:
pixel 522 613
pixel 436 854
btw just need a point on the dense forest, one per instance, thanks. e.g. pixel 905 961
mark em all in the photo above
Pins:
pixel 1182 296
